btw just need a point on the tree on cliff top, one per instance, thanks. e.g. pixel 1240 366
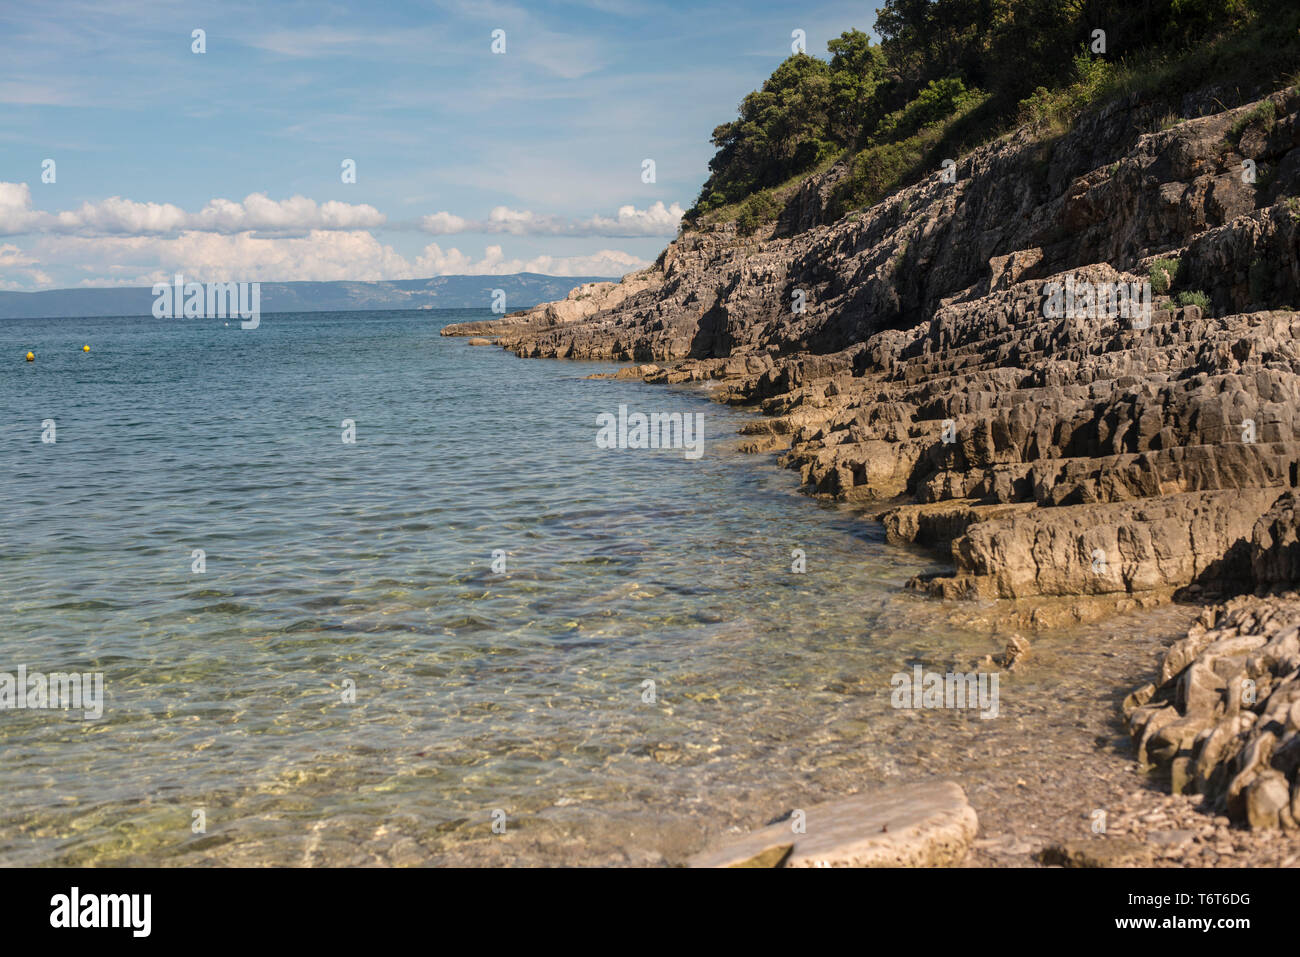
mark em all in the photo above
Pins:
pixel 783 129
pixel 857 68
pixel 807 111
pixel 936 57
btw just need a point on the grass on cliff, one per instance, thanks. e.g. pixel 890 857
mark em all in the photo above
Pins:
pixel 1265 113
pixel 882 168
pixel 1261 56
pixel 910 143
pixel 765 205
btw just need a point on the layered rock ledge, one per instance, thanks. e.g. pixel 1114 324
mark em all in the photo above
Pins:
pixel 903 358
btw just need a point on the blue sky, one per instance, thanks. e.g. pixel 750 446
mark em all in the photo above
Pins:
pixel 227 164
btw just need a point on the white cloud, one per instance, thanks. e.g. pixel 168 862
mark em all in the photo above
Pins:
pixel 116 216
pixel 119 241
pixel 564 55
pixel 443 224
pixel 321 255
pixel 655 220
pixel 11 256
pixel 607 262
pixel 16 214
pixel 15 262
pixel 323 41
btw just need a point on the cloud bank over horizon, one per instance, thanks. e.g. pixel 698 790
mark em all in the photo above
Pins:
pixel 258 239
pixel 656 220
pixel 353 140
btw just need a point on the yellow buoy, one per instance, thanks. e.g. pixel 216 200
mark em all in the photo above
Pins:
pixel 31 357
pixel 85 348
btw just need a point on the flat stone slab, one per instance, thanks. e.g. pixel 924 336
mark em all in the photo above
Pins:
pixel 1098 852
pixel 917 825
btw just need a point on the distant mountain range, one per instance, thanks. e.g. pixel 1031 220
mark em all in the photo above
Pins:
pixel 441 292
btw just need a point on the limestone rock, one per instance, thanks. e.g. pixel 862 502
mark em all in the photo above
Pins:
pixel 1100 852
pixel 1224 719
pixel 1125 459
pixel 925 825
pixel 1267 797
pixel 773 856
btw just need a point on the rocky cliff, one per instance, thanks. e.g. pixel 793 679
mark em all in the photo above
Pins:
pixel 906 355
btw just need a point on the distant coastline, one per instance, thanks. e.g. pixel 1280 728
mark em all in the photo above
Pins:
pixel 522 290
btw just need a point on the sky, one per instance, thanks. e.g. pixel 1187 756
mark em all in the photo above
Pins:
pixel 230 164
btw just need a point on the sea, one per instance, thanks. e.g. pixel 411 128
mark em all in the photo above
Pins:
pixel 359 593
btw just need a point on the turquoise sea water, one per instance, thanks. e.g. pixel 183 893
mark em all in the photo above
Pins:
pixel 369 565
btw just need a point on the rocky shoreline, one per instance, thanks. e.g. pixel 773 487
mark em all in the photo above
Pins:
pixel 1071 466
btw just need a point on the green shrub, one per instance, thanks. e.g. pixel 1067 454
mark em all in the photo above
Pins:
pixel 1091 79
pixel 939 100
pixel 950 75
pixel 1194 297
pixel 1264 112
pixel 759 209
pixel 875 172
pixel 882 167
pixel 806 111
pixel 1163 274
pixel 1037 108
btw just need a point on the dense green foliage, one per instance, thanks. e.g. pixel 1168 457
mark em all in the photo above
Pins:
pixel 806 111
pixel 902 142
pixel 952 73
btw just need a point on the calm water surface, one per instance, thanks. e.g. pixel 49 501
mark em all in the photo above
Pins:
pixel 369 565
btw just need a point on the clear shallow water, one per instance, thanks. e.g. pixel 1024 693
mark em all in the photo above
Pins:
pixel 371 563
